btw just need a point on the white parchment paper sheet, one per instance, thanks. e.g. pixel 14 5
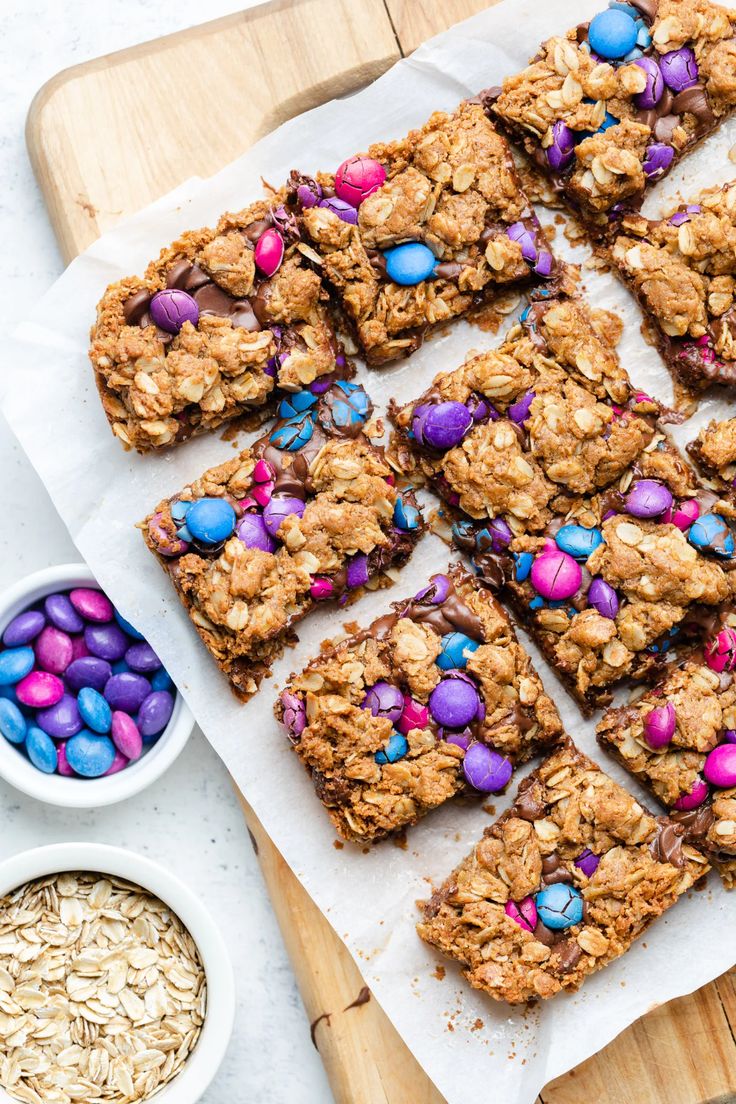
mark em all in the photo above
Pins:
pixel 492 1053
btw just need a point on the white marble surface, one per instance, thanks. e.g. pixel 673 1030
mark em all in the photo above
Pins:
pixel 190 820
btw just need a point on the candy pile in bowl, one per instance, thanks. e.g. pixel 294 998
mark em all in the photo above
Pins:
pixel 81 692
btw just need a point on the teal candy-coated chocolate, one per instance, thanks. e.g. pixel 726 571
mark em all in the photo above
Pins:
pixel 578 541
pixel 455 649
pixel 709 533
pixel 296 404
pixel 94 710
pixel 406 516
pixel 90 755
pixel 211 520
pixel 12 722
pixel 294 434
pixel 612 33
pixel 353 409
pixel 410 263
pixel 559 906
pixel 15 664
pixel 395 748
pixel 41 750
pixel 179 511
pixel 523 562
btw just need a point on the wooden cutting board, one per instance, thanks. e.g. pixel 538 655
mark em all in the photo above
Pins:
pixel 89 134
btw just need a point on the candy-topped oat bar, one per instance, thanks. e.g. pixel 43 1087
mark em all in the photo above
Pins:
pixel 714 450
pixel 435 699
pixel 682 269
pixel 309 512
pixel 561 885
pixel 220 320
pixel 423 229
pixel 607 109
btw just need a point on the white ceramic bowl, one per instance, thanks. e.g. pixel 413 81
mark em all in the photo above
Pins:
pixel 201 1066
pixel 83 793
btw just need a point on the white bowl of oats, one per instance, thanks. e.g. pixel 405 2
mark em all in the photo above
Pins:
pixel 115 982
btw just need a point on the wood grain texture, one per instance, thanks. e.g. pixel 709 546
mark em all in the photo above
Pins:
pixel 89 134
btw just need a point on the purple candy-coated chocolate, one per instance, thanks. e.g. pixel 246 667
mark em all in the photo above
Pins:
pixel 127 691
pixel 519 412
pixel 171 308
pixel 555 575
pixel 61 720
pixel 321 588
pixel 155 713
pixel 308 196
pixel 384 700
pixel 658 159
pixel 40 690
pixel 459 739
pixel 681 217
pixel 269 252
pixel 720 766
pixel 414 715
pixel 526 238
pixel 92 604
pixel 587 861
pixel 523 913
pixel 454 702
pixel 357 570
pixel 118 764
pixel 295 715
pixel 648 498
pixel 501 534
pixel 659 726
pixel 339 207
pixel 486 770
pixel 23 629
pixel 357 178
pixel 441 425
pixel 279 508
pixel 164 543
pixel 730 736
pixel 679 69
pixel 560 153
pixel 682 514
pixel 603 598
pixel 106 641
pixel 141 658
pixel 252 531
pixel 62 766
pixel 62 613
pixel 545 263
pixel 436 592
pixel 720 651
pixel 694 799
pixel 652 94
pixel 125 735
pixel 54 650
pixel 88 671
pixel 480 409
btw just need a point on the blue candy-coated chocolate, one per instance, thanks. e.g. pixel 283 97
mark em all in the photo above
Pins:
pixel 294 434
pixel 211 520
pixel 296 404
pixel 709 533
pixel 406 516
pixel 120 667
pixel 183 534
pixel 94 710
pixel 629 9
pixel 9 693
pixel 179 511
pixel 410 263
pixel 12 722
pixel 608 122
pixel 456 647
pixel 612 33
pixel 578 541
pixel 161 680
pixel 41 750
pixel 536 603
pixel 127 627
pixel 523 564
pixel 15 664
pixel 395 748
pixel 353 409
pixel 89 755
pixel 559 906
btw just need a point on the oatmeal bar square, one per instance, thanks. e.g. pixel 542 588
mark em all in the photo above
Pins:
pixel 310 512
pixel 714 450
pixel 561 885
pixel 421 230
pixel 435 699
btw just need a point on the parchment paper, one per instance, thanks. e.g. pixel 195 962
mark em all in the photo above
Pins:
pixel 472 1047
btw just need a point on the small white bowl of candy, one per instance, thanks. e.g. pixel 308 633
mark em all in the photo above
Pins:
pixel 88 714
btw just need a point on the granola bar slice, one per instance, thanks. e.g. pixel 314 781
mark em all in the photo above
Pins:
pixel 222 318
pixel 435 699
pixel 310 512
pixel 607 109
pixel 682 269
pixel 561 885
pixel 714 450
pixel 421 230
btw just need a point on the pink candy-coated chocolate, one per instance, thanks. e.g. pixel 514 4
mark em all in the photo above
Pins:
pixel 54 650
pixel 682 514
pixel 659 726
pixel 555 575
pixel 269 252
pixel 79 648
pixel 62 765
pixel 263 472
pixel 321 588
pixel 262 493
pixel 125 735
pixel 720 766
pixel 118 763
pixel 720 652
pixel 40 690
pixel 523 913
pixel 357 178
pixel 92 604
pixel 696 797
pixel 415 715
pixel 165 544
